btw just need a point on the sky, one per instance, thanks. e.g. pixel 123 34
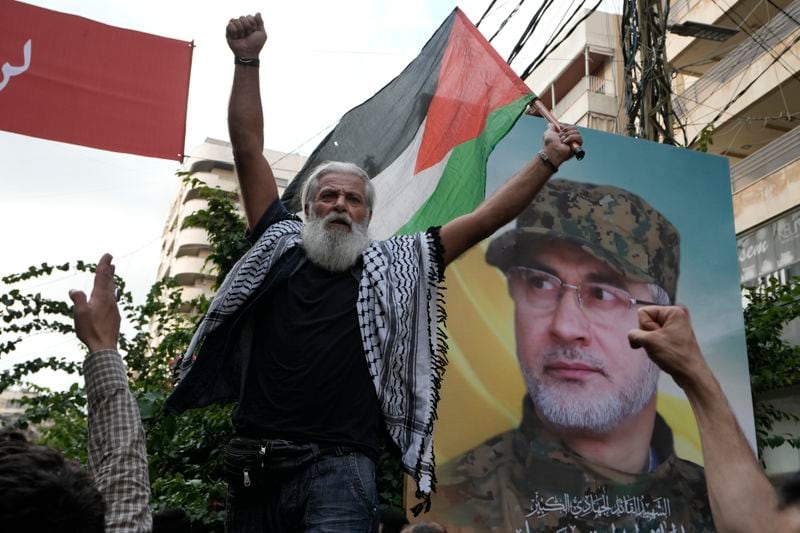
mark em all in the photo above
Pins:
pixel 60 202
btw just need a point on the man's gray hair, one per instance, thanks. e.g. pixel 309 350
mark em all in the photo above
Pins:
pixel 339 167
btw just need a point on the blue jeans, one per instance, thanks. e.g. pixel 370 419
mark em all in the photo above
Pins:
pixel 331 493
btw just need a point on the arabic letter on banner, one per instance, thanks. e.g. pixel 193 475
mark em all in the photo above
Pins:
pixel 70 79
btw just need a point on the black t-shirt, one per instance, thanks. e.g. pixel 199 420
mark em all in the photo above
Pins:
pixel 307 379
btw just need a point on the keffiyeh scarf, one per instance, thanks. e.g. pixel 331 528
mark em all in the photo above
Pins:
pixel 401 317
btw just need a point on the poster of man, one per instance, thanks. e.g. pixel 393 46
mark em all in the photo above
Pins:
pixel 550 421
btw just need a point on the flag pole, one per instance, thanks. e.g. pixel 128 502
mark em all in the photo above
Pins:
pixel 548 116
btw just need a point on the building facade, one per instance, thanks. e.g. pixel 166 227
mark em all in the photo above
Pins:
pixel 736 70
pixel 748 87
pixel 10 407
pixel 184 250
pixel 581 81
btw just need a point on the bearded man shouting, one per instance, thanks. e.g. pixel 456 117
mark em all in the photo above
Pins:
pixel 324 337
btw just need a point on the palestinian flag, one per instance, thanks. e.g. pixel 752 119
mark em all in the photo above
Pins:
pixel 426 136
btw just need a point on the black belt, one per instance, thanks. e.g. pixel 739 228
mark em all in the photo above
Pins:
pixel 279 445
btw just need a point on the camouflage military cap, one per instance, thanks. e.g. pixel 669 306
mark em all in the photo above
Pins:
pixel 612 224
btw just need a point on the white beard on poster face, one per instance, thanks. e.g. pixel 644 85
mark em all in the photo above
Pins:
pixel 332 248
pixel 572 406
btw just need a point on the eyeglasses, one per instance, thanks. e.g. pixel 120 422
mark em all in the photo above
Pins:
pixel 542 290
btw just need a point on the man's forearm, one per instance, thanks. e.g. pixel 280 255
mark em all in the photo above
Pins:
pixel 513 196
pixel 498 210
pixel 245 116
pixel 117 454
pixel 741 496
pixel 246 128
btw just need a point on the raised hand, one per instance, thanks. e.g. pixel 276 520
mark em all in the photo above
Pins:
pixel 559 145
pixel 666 333
pixel 246 36
pixel 97 320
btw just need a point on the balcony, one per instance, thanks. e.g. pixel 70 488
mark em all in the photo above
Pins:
pixel 191 206
pixel 694 55
pixel 215 181
pixel 591 95
pixel 188 270
pixel 767 183
pixel 680 9
pixel 772 91
pixel 191 241
pixel 779 29
pixel 190 293
pixel 768 160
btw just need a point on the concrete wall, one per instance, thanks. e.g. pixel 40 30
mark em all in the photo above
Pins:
pixel 767 198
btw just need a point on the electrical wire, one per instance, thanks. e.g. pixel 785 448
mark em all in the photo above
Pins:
pixel 505 21
pixel 779 8
pixel 548 47
pixel 741 24
pixel 488 9
pixel 562 27
pixel 752 82
pixel 561 23
pixel 296 148
pixel 543 55
pixel 526 34
pixel 739 60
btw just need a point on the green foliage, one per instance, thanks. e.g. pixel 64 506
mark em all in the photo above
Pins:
pixel 705 138
pixel 185 452
pixel 224 225
pixel 390 479
pixel 774 362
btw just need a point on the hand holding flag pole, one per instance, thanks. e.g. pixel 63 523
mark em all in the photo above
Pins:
pixel 548 116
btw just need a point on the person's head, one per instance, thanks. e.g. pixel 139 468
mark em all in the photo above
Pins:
pixel 580 261
pixel 337 199
pixel 362 185
pixel 171 520
pixel 43 492
pixel 424 527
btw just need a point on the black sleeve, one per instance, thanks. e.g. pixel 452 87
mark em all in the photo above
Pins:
pixel 276 212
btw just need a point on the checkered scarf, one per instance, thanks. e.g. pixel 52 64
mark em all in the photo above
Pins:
pixel 401 317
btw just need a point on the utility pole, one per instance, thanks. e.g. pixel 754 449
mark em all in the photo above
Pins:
pixel 648 88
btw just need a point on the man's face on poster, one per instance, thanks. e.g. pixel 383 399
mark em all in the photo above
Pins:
pixel 572 315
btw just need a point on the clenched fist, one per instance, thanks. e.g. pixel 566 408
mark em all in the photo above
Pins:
pixel 246 36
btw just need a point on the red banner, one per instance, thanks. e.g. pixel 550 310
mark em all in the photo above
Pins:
pixel 70 79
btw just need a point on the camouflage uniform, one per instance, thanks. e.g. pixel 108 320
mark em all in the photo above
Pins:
pixel 526 480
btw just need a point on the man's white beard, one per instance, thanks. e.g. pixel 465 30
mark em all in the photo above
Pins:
pixel 570 406
pixel 333 249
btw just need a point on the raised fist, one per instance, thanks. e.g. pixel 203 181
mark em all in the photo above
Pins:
pixel 246 36
pixel 559 145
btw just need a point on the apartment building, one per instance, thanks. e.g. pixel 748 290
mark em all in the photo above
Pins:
pixel 184 250
pixel 581 81
pixel 10 408
pixel 736 68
